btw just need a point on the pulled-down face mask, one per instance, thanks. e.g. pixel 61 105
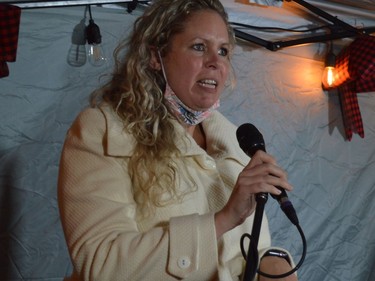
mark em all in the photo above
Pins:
pixel 184 113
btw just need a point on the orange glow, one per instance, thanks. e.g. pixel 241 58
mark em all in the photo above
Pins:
pixel 328 78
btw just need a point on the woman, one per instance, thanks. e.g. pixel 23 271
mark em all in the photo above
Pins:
pixel 153 184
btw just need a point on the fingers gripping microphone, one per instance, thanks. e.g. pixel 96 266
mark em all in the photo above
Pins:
pixel 250 141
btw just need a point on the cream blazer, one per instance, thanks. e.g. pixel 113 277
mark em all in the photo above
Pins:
pixel 106 239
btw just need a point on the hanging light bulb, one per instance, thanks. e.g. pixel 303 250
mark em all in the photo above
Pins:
pixel 329 72
pixel 77 51
pixel 94 39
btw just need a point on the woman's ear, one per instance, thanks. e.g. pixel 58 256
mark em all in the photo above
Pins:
pixel 155 60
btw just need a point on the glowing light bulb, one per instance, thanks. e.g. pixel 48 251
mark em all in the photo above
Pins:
pixel 328 78
pixel 94 39
pixel 329 73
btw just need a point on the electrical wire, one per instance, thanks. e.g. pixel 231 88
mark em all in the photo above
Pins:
pixel 89 8
pixel 254 250
pixel 270 28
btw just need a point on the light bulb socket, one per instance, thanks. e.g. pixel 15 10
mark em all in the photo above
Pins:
pixel 330 59
pixel 93 33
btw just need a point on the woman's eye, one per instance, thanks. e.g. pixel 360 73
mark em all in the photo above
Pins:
pixel 223 52
pixel 199 47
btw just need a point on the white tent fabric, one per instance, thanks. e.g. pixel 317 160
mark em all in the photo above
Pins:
pixel 279 92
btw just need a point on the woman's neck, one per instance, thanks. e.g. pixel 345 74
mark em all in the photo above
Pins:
pixel 198 135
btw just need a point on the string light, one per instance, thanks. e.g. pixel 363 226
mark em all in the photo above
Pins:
pixel 329 72
pixel 96 55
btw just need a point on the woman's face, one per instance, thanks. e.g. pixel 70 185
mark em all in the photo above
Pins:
pixel 197 60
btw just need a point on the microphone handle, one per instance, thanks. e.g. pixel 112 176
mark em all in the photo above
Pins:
pixel 285 205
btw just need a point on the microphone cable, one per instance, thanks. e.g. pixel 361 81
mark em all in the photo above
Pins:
pixel 256 258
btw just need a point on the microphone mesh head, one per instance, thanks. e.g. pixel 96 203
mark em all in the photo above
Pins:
pixel 250 139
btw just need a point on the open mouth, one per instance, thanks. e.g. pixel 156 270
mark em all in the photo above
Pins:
pixel 208 83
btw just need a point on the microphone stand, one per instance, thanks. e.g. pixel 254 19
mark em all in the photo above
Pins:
pixel 252 255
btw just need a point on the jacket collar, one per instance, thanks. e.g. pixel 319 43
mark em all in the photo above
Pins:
pixel 220 134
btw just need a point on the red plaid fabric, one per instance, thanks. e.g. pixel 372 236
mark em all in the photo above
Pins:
pixel 9 27
pixel 356 73
pixel 351 114
pixel 342 74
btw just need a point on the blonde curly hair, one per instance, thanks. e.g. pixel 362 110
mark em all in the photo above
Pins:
pixel 135 92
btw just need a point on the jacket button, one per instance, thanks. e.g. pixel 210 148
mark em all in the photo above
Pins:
pixel 209 163
pixel 183 262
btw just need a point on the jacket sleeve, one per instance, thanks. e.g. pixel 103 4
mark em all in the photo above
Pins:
pixel 98 216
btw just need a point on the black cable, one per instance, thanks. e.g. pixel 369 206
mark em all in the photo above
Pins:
pixel 246 235
pixel 265 28
pixel 252 249
pixel 89 8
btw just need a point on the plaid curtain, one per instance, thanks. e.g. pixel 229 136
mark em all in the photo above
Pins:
pixel 355 67
pixel 9 27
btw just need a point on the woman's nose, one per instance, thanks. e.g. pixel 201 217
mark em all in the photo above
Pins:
pixel 212 60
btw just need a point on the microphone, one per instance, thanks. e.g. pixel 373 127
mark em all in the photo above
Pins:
pixel 250 141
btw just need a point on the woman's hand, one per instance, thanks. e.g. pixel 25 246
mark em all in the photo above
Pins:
pixel 262 174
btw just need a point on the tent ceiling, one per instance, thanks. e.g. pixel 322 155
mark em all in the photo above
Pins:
pixel 364 4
